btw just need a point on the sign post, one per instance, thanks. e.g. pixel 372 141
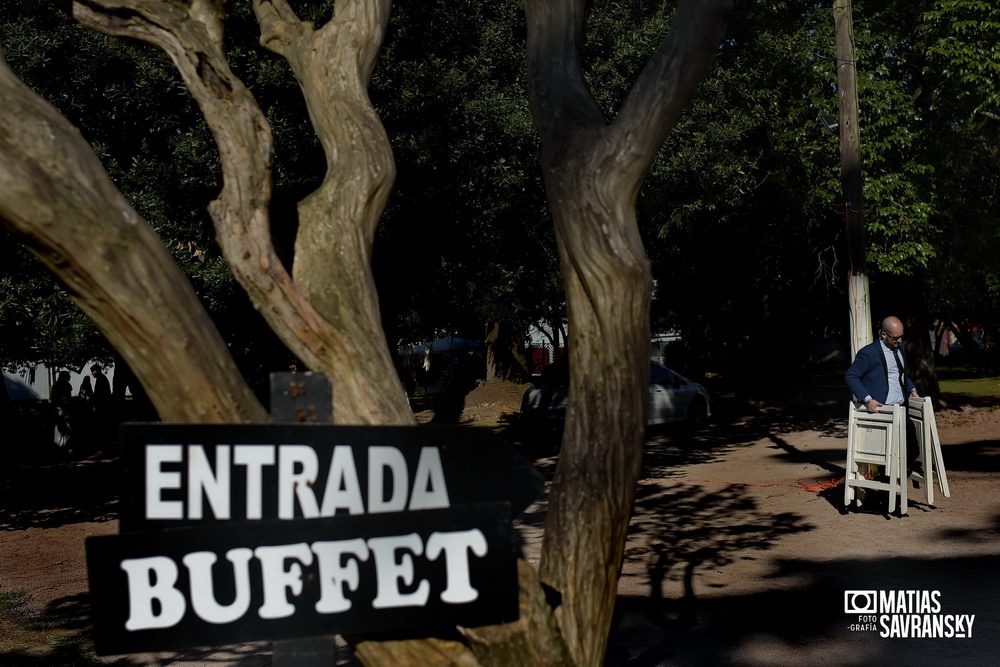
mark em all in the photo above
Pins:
pixel 302 398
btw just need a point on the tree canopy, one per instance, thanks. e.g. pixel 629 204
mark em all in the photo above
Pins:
pixel 747 181
pixel 745 202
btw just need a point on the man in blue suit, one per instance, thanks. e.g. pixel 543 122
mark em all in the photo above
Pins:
pixel 878 375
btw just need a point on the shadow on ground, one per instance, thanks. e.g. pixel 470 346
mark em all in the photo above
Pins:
pixel 58 493
pixel 800 620
pixel 66 623
pixel 806 622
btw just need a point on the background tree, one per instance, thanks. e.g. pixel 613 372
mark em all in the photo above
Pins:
pixel 57 197
pixel 747 210
pixel 957 91
pixel 132 108
pixel 750 183
pixel 466 246
pixel 745 213
pixel 741 208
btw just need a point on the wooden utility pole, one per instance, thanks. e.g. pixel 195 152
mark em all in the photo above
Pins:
pixel 850 165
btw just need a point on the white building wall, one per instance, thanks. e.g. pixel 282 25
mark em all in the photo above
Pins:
pixel 40 379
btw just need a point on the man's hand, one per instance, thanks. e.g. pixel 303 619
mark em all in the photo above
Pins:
pixel 873 405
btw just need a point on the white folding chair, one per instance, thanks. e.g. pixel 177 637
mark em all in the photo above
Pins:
pixel 921 413
pixel 874 438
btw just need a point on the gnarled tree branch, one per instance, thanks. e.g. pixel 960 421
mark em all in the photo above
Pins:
pixel 191 35
pixel 55 194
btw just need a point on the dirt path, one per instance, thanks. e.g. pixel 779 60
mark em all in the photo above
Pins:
pixel 740 551
pixel 744 555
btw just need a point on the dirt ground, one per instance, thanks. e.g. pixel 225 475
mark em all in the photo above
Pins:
pixel 740 552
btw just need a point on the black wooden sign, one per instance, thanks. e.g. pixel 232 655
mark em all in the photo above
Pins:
pixel 225 583
pixel 246 532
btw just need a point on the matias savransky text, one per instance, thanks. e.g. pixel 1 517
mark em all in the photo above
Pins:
pixel 906 614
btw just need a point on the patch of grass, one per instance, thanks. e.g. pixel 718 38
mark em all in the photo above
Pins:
pixel 32 637
pixel 14 605
pixel 15 614
pixel 74 648
pixel 976 387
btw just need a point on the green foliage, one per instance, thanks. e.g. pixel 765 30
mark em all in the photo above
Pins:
pixel 742 212
pixel 465 239
pixel 129 103
pixel 38 322
pixel 744 207
pixel 962 40
pixel 620 38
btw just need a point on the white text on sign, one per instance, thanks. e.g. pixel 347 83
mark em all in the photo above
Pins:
pixel 388 485
pixel 155 601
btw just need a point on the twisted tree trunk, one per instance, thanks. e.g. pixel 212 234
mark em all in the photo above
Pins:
pixel 340 333
pixel 593 171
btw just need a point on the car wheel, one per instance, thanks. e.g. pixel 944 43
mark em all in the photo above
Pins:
pixel 697 415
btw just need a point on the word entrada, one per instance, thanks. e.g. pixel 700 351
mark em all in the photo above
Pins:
pixel 193 474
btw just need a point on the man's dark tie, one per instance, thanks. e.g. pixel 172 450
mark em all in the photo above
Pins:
pixel 899 367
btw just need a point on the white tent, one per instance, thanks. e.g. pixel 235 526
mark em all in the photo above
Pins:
pixel 18 389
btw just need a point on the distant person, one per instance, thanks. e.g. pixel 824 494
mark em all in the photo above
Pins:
pixel 102 387
pixel 86 392
pixel 62 391
pixel 878 375
pixel 61 395
pixel 124 385
pixel 103 413
pixel 84 415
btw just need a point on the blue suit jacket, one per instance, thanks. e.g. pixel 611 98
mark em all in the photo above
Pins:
pixel 869 374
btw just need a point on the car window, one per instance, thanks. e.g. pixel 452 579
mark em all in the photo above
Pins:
pixel 660 375
pixel 555 374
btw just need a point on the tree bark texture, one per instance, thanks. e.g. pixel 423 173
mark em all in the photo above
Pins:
pixel 55 195
pixel 858 292
pixel 593 171
pixel 503 359
pixel 337 222
pixel 342 337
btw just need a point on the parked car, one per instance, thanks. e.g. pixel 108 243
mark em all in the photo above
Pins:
pixel 672 398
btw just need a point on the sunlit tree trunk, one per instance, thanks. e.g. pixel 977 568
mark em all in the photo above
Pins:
pixel 593 170
pixel 330 321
